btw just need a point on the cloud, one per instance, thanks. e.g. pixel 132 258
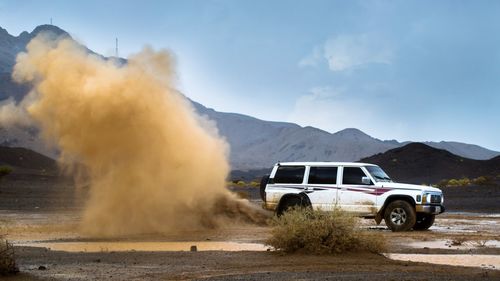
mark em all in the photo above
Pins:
pixel 345 52
pixel 313 58
pixel 327 108
pixel 323 92
pixel 334 109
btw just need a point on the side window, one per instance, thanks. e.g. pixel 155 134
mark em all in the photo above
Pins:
pixel 323 175
pixel 353 175
pixel 289 174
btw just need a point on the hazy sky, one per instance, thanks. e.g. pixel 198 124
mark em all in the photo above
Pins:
pixel 405 70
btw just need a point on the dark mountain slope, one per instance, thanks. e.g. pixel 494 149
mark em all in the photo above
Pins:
pixel 419 163
pixel 26 160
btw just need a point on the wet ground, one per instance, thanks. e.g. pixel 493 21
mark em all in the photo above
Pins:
pixel 51 241
pixel 40 217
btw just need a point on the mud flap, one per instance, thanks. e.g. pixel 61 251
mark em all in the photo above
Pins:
pixel 378 218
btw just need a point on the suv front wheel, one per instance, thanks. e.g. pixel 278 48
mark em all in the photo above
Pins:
pixel 400 215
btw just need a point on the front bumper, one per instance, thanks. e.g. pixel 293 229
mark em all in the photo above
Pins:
pixel 430 209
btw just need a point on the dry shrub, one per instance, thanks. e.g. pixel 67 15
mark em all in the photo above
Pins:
pixel 480 243
pixel 7 260
pixel 318 232
pixel 458 241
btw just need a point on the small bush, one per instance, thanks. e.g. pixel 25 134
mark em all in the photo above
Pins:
pixel 455 182
pixel 442 183
pixel 317 232
pixel 480 243
pixel 458 241
pixel 5 170
pixel 7 260
pixel 482 180
pixel 254 184
pixel 464 182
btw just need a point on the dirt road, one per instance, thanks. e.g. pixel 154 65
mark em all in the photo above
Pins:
pixel 43 224
pixel 147 257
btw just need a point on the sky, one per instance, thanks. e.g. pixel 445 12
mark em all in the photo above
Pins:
pixel 404 70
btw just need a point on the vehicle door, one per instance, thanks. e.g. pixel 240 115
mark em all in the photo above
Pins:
pixel 355 194
pixel 322 187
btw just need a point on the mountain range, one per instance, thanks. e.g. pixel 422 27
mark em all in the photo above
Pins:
pixel 254 143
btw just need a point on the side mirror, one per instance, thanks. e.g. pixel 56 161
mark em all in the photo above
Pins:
pixel 366 180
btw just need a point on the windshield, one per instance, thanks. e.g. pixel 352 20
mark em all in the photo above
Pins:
pixel 378 174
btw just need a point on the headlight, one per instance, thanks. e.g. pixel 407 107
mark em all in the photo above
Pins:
pixel 426 198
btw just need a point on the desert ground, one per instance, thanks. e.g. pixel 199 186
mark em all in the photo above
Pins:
pixel 39 214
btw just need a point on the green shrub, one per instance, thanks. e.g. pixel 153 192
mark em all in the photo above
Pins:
pixel 5 170
pixel 464 182
pixel 482 180
pixel 317 232
pixel 442 183
pixel 7 260
pixel 254 184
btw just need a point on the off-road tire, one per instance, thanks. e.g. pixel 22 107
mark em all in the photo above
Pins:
pixel 289 203
pixel 263 183
pixel 400 215
pixel 424 221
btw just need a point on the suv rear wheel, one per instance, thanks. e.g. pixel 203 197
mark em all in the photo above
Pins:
pixel 424 221
pixel 289 203
pixel 399 215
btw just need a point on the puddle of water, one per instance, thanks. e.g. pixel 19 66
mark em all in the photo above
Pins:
pixel 483 261
pixel 146 246
pixel 447 244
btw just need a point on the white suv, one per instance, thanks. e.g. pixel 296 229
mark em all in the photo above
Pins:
pixel 359 188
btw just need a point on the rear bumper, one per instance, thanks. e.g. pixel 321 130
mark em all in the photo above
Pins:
pixel 430 209
pixel 271 206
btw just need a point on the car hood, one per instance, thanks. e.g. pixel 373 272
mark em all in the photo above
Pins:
pixel 409 186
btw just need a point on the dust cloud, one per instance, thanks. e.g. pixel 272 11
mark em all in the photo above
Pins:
pixel 12 114
pixel 153 164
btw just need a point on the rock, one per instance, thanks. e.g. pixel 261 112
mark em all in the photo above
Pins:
pixel 194 248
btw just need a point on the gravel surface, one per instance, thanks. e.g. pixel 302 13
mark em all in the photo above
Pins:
pixel 42 208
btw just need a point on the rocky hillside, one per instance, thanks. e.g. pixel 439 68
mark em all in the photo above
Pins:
pixel 254 143
pixel 419 163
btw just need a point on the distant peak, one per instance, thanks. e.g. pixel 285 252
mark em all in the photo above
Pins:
pixel 24 34
pixel 419 145
pixel 352 132
pixel 48 28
